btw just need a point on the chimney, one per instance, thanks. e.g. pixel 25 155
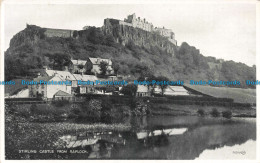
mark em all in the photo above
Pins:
pixel 55 73
pixel 66 68
pixel 45 67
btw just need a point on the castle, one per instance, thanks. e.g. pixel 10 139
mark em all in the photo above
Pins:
pixel 131 20
pixel 135 22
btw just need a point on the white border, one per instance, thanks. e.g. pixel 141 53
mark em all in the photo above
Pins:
pixel 257 3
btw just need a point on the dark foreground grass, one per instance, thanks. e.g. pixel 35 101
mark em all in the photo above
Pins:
pixel 43 136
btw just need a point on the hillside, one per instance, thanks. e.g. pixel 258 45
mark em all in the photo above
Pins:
pixel 133 51
pixel 239 95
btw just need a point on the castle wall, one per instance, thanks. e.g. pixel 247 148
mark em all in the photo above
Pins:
pixel 139 23
pixel 165 32
pixel 58 33
pixel 132 21
pixel 125 23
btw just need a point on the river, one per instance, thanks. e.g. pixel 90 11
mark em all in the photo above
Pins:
pixel 171 137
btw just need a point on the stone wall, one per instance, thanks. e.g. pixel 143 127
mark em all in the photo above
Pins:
pixel 58 33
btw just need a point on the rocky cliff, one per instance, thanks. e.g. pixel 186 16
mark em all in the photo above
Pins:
pixel 125 34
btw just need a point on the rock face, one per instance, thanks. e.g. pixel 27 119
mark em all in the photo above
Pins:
pixel 125 34
pixel 30 35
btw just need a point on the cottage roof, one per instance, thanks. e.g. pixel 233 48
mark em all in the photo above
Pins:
pixel 142 88
pixel 44 78
pixel 178 88
pixel 62 93
pixel 99 60
pixel 172 90
pixel 85 77
pixel 64 75
pixel 78 62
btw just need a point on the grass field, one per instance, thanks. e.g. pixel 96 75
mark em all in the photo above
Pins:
pixel 238 94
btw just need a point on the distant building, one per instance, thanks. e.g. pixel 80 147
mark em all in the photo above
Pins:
pixel 77 66
pixel 142 91
pixel 91 65
pixel 61 95
pixel 95 64
pixel 46 91
pixel 143 24
pixel 167 33
pixel 139 23
pixel 64 75
pixel 85 88
pixel 76 80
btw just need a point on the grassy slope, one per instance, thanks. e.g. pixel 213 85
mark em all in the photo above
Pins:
pixel 13 89
pixel 238 94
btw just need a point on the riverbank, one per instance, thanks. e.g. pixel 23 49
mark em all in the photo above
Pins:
pixel 198 110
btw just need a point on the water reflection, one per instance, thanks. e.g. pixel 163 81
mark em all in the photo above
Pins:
pixel 164 138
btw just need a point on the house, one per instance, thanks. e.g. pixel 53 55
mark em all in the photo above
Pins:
pixel 61 95
pixel 64 76
pixel 91 65
pixel 47 91
pixel 95 64
pixel 142 90
pixel 84 83
pixel 77 66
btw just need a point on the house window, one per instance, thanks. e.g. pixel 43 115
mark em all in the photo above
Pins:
pixel 37 86
pixel 43 86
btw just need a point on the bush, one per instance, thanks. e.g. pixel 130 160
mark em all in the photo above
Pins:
pixel 33 108
pixel 214 112
pixel 227 114
pixel 60 103
pixel 201 112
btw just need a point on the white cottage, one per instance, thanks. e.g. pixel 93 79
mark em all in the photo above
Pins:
pixel 47 91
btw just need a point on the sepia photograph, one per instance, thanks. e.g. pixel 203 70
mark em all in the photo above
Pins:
pixel 154 80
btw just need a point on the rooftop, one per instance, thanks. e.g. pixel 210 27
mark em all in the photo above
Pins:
pixel 99 60
pixel 62 93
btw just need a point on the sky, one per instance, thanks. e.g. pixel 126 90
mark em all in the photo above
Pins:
pixel 222 30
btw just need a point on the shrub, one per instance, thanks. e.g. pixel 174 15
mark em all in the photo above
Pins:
pixel 60 103
pixel 201 112
pixel 214 112
pixel 227 114
pixel 33 108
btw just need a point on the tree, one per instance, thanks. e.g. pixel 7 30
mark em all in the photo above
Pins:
pixel 103 67
pixel 162 86
pixel 89 67
pixel 129 90
pixel 115 67
pixel 109 40
pixel 59 60
pixel 80 67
